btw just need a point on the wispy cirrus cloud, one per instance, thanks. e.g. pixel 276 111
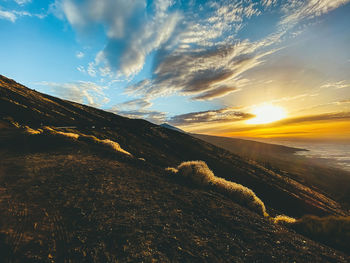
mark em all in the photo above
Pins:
pixel 8 15
pixel 79 54
pixel 139 108
pixel 133 29
pixel 23 2
pixel 203 74
pixel 82 92
pixel 13 15
pixel 336 85
pixel 222 115
pixel 197 50
pixel 309 9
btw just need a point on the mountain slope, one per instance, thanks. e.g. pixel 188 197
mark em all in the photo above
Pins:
pixel 312 172
pixel 168 126
pixel 64 199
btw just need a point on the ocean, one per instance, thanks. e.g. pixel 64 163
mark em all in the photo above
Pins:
pixel 337 154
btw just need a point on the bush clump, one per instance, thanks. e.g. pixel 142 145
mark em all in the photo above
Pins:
pixel 283 219
pixel 199 173
pixel 70 135
pixel 31 131
pixel 109 143
pixel 87 138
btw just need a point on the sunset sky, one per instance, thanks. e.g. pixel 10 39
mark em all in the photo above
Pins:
pixel 235 68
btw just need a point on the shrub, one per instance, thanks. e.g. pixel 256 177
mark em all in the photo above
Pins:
pixel 32 131
pixel 110 144
pixel 199 173
pixel 171 170
pixel 284 219
pixel 62 134
pixel 241 194
pixel 196 171
pixel 114 145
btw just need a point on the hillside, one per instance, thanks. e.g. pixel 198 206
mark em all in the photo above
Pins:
pixel 72 199
pixel 312 172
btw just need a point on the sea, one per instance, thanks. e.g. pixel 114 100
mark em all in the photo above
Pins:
pixel 335 153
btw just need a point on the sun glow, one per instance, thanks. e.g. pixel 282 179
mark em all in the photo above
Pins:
pixel 267 113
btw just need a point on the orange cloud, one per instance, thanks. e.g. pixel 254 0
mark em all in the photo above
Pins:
pixel 334 129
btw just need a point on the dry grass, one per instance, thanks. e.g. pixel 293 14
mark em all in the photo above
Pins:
pixel 87 138
pixel 199 173
pixel 244 195
pixel 59 133
pixel 171 170
pixel 196 171
pixel 114 145
pixel 284 219
pixel 31 131
pixel 109 143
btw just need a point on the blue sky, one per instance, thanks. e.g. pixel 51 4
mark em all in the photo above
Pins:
pixel 200 65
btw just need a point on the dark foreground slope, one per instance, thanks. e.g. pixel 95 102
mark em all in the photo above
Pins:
pixel 64 200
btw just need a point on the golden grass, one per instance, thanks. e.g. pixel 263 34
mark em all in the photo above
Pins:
pixel 244 194
pixel 89 138
pixel 31 131
pixel 109 143
pixel 171 170
pixel 284 219
pixel 114 145
pixel 196 171
pixel 59 133
pixel 199 173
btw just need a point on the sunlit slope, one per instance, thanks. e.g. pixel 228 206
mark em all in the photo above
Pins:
pixel 67 194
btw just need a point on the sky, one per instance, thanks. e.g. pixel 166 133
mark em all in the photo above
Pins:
pixel 248 68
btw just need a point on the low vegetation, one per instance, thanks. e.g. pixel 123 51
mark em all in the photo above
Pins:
pixel 59 133
pixel 32 131
pixel 199 173
pixel 108 143
pixel 283 219
pixel 81 137
pixel 331 230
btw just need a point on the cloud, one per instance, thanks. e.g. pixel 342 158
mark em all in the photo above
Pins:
pixel 197 50
pixel 133 29
pixel 336 85
pixel 23 2
pixel 215 93
pixel 313 118
pixel 138 108
pixel 14 15
pixel 268 3
pixel 204 74
pixel 79 54
pixel 309 9
pixel 91 69
pixel 221 115
pixel 134 104
pixel 7 15
pixel 82 92
pixel 344 101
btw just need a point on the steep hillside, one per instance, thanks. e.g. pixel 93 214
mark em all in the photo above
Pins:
pixel 312 172
pixel 69 193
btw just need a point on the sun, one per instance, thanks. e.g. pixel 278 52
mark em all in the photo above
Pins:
pixel 267 113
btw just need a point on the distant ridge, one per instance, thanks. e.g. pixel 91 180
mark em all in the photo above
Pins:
pixel 168 126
